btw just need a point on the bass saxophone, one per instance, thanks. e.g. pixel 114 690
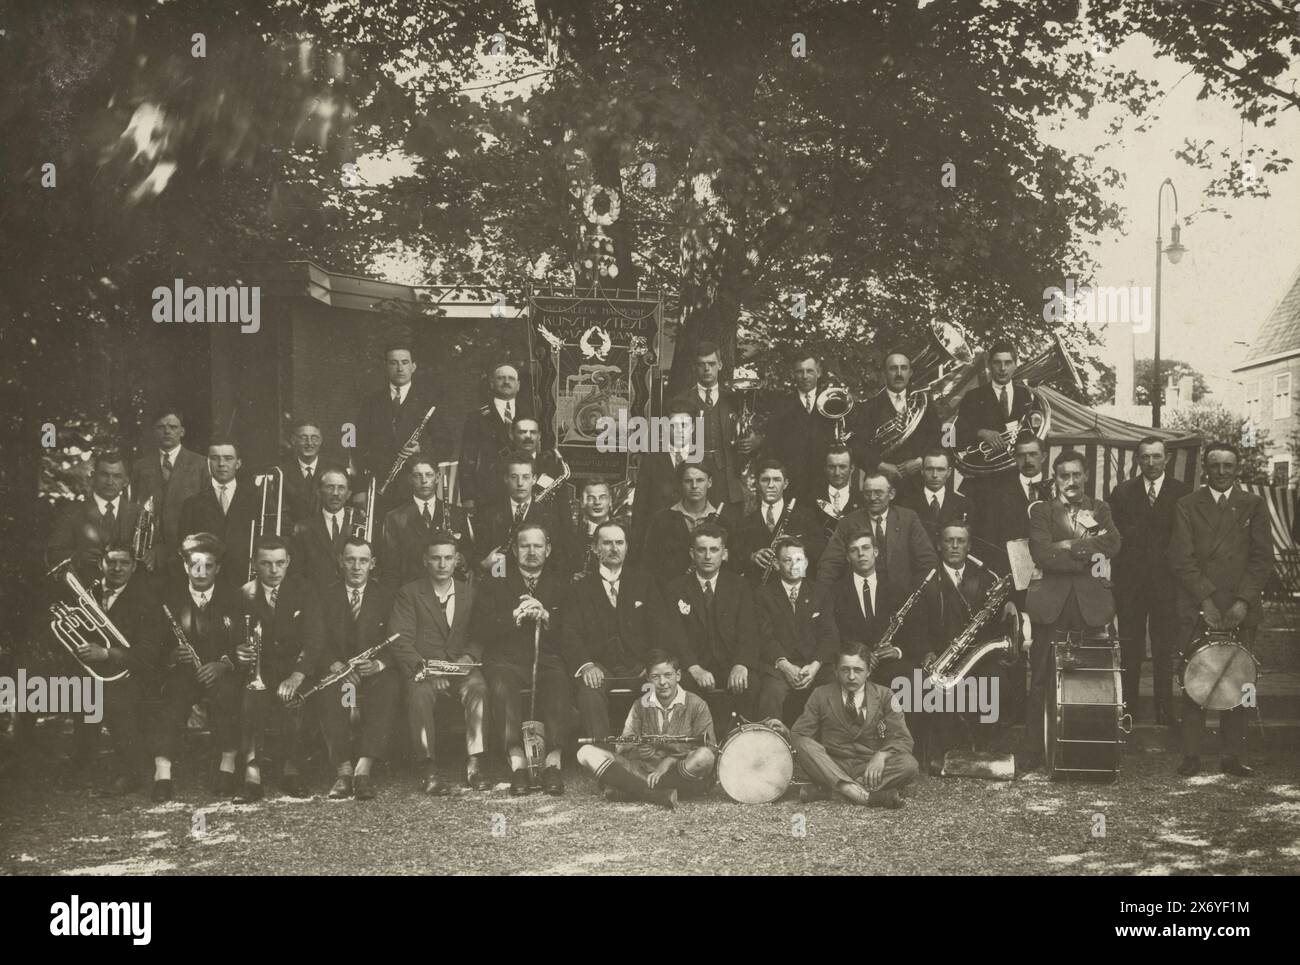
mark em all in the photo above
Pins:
pixel 896 623
pixel 956 661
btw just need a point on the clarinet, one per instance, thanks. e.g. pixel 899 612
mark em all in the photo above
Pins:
pixel 896 621
pixel 776 538
pixel 651 739
pixel 338 675
pixel 400 461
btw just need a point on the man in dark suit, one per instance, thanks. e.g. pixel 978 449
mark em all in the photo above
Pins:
pixel 721 410
pixel 84 528
pixel 1072 539
pixel 170 475
pixel 208 612
pixel 1221 553
pixel 901 461
pixel 352 618
pixel 506 615
pixel 720 626
pixel 986 410
pixel 795 434
pixel 499 520
pixel 1145 589
pixel 318 538
pixel 1002 508
pixel 839 497
pixel 228 508
pixel 278 607
pixel 407 528
pixel 774 516
pixel 302 470
pixel 946 608
pixel 851 741
pixel 486 433
pixel 864 599
pixel 936 503
pixel 667 551
pixel 134 609
pixel 389 418
pixel 433 616
pixel 657 486
pixel 796 621
pixel 612 619
pixel 905 553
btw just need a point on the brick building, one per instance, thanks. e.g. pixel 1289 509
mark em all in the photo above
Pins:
pixel 1270 376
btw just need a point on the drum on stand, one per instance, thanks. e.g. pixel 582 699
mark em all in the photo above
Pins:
pixel 755 764
pixel 1083 710
pixel 1219 670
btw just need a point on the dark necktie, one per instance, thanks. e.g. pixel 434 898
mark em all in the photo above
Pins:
pixel 167 468
pixel 428 520
pixel 855 715
pixel 794 596
pixel 1151 494
pixel 356 602
pixel 935 509
pixel 507 415
pixel 110 517
pixel 309 476
pixel 881 554
pixel 521 510
pixel 531 583
pixel 867 608
pixel 442 602
pixel 1004 397
pixel 771 518
pixel 334 529
pixel 708 613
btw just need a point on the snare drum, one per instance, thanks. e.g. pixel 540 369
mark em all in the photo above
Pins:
pixel 755 764
pixel 1218 670
pixel 1083 713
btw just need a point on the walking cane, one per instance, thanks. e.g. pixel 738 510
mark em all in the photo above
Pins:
pixel 534 731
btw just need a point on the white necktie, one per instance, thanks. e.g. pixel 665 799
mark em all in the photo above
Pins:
pixel 771 517
pixel 808 403
pixel 835 499
pixel 708 397
pixel 397 395
pixel 225 497
pixel 509 414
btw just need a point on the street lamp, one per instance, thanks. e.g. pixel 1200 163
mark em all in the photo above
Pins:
pixel 1175 252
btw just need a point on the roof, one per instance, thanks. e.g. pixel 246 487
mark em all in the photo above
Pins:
pixel 1279 335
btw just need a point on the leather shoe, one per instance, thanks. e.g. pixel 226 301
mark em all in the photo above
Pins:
pixel 520 783
pixel 1190 766
pixel 475 777
pixel 434 786
pixel 162 790
pixel 342 788
pixel 250 794
pixel 855 793
pixel 225 785
pixel 293 785
pixel 363 790
pixel 885 799
pixel 553 781
pixel 1230 765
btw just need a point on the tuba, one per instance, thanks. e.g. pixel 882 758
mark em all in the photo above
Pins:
pixel 83 622
pixel 947 346
pixel 835 402
pixel 960 656
pixel 984 459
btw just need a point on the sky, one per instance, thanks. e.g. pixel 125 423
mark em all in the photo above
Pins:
pixel 1235 270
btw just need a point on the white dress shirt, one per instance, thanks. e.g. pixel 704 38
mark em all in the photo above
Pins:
pixel 174 453
pixel 652 700
pixel 327 515
pixel 955 575
pixel 501 404
pixel 201 599
pixel 303 468
pixel 230 492
pixel 103 504
pixel 1028 481
pixel 870 580
pixel 899 399
pixel 931 496
pixel 1159 484
pixel 838 498
pixel 450 600
pixel 402 392
pixel 609 580
pixel 777 509
pixel 711 583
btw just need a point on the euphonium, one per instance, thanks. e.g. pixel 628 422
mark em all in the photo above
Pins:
pixel 960 656
pixel 836 402
pixel 83 622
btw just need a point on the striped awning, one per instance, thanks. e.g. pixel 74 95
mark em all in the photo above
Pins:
pixel 1282 513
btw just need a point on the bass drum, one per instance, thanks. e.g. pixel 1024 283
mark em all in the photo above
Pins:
pixel 1083 713
pixel 1218 671
pixel 755 765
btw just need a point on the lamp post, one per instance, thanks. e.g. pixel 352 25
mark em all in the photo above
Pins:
pixel 1175 253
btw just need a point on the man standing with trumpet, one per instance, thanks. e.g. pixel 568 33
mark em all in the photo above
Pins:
pixel 1221 553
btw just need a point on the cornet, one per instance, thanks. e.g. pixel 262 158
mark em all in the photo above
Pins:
pixel 253 634
pixel 83 623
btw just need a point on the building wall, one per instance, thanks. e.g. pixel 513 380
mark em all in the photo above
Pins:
pixel 1258 385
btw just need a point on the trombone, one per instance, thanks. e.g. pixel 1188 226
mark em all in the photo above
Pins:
pixel 83 623
pixel 270 481
pixel 361 519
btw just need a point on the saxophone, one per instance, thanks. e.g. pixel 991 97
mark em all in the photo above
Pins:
pixel 896 622
pixel 956 661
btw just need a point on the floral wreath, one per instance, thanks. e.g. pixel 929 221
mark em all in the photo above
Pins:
pixel 589 205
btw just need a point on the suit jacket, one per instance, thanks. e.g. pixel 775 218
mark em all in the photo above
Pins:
pixel 726 638
pixel 405 536
pixel 728 486
pixel 1066 570
pixel 855 629
pixel 214 633
pixel 333 636
pixel 908 550
pixel 286 629
pixel 423 626
pixel 656 490
pixel 189 476
pixel 202 514
pixel 315 553
pixel 580 558
pixel 1141 569
pixel 826 720
pixel 641 623
pixel 800 440
pixel 383 428
pixel 494 626
pixel 877 411
pixel 80 527
pixel 301 500
pixel 752 535
pixel 667 550
pixel 956 508
pixel 801 633
pixel 1225 554
pixel 496 520
pixel 484 436
pixel 945 610
pixel 1002 511
pixel 821 499
pixel 137 612
pixel 980 409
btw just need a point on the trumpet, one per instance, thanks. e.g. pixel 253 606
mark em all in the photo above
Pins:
pixel 253 634
pixel 400 461
pixel 83 622
pixel 443 668
pixel 353 662
pixel 145 530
